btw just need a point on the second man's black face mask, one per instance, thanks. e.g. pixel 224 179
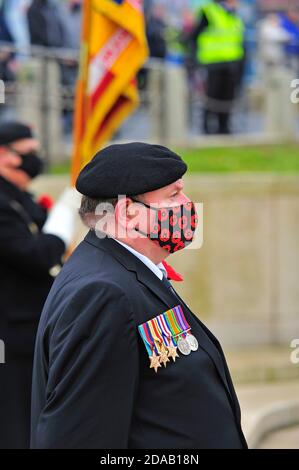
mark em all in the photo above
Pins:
pixel 32 164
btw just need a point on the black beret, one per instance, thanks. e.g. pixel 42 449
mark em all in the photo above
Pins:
pixel 11 131
pixel 129 169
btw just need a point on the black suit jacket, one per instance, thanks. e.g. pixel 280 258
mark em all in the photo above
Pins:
pixel 26 257
pixel 92 385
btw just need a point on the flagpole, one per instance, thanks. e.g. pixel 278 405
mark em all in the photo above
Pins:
pixel 80 92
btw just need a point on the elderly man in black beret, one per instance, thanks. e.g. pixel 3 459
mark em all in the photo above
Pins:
pixel 121 361
pixel 31 249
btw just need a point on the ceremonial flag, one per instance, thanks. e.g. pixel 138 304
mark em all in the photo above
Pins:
pixel 113 49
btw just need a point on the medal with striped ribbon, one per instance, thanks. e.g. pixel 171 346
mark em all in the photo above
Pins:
pixel 151 348
pixel 191 340
pixel 159 341
pixel 166 333
pixel 169 340
pixel 178 331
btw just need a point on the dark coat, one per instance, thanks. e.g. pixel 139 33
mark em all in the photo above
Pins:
pixel 92 385
pixel 26 257
pixel 46 24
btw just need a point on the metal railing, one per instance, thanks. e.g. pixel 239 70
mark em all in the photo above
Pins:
pixel 172 100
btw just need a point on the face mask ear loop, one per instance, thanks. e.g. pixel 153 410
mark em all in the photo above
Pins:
pixel 140 202
pixel 150 207
pixel 146 205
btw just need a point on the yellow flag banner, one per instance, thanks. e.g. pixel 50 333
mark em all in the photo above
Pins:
pixel 113 49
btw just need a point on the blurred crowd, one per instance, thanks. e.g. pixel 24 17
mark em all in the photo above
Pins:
pixel 46 23
pixel 56 24
pixel 49 24
pixel 186 40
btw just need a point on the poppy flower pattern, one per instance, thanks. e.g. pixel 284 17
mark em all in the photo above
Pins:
pixel 176 226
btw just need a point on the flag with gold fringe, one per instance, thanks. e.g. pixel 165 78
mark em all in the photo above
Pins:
pixel 113 49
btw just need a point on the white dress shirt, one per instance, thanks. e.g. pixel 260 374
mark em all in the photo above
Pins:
pixel 157 269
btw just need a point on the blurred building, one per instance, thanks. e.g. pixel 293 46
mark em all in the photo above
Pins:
pixel 275 5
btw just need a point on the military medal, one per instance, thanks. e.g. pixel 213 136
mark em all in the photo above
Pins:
pixel 158 339
pixel 164 356
pixel 155 362
pixel 173 352
pixel 191 340
pixel 169 341
pixel 164 353
pixel 183 346
pixel 165 334
pixel 150 346
pixel 178 331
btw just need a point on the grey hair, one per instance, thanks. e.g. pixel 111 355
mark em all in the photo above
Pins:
pixel 89 206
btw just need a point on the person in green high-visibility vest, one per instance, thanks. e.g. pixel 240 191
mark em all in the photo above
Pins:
pixel 218 38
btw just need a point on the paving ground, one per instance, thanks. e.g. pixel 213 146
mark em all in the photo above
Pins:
pixel 282 439
pixel 266 407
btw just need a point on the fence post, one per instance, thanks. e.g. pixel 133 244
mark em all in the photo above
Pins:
pixel 39 103
pixel 280 111
pixel 155 102
pixel 175 109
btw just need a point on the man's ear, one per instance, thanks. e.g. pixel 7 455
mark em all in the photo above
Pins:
pixel 137 215
pixel 128 213
pixel 121 210
pixel 132 210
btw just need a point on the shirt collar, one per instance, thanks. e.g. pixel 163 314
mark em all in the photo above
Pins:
pixel 157 269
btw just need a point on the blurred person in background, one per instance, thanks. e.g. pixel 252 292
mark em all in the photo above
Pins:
pixel 16 18
pixel 13 29
pixel 72 14
pixel 57 25
pixel 72 17
pixel 271 40
pixel 6 55
pixel 289 22
pixel 218 36
pixel 31 249
pixel 155 32
pixel 46 23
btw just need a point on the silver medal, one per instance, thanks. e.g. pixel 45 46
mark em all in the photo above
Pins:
pixel 183 346
pixel 192 341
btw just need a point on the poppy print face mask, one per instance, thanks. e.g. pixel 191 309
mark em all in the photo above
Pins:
pixel 174 227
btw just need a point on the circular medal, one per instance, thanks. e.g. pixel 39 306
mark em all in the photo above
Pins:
pixel 183 346
pixel 192 341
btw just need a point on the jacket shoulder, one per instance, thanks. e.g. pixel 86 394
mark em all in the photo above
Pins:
pixel 84 299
